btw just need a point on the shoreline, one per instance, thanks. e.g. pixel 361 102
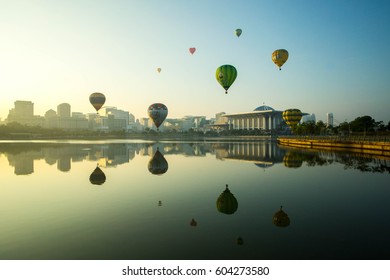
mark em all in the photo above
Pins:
pixel 360 144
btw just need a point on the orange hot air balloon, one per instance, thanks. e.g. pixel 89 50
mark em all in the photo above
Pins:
pixel 192 50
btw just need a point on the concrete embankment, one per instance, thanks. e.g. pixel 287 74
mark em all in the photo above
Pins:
pixel 364 146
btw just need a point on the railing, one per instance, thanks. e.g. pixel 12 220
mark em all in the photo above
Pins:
pixel 358 139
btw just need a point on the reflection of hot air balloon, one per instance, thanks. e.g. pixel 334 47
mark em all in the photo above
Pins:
pixel 238 32
pixel 240 241
pixel 192 50
pixel 158 112
pixel 193 223
pixel 226 75
pixel 292 117
pixel 292 160
pixel 226 202
pixel 158 164
pixel 159 203
pixel 97 100
pixel 279 57
pixel 97 177
pixel 281 219
pixel 158 69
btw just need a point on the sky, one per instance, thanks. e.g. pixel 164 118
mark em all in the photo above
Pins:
pixel 54 52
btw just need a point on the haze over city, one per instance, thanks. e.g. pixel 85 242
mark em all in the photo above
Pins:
pixel 58 51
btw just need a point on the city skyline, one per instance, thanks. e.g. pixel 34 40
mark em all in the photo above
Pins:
pixel 53 51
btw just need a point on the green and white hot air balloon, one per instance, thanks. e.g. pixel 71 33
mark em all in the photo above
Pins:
pixel 226 202
pixel 226 75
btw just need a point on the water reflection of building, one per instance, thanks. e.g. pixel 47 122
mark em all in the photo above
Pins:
pixel 263 153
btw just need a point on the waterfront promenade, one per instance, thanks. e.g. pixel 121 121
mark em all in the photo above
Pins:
pixel 379 145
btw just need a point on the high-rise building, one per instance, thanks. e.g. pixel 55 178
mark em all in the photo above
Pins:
pixel 63 110
pixel 309 118
pixel 329 119
pixel 24 109
pixel 23 113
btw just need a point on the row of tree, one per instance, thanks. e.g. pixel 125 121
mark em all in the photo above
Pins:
pixel 360 125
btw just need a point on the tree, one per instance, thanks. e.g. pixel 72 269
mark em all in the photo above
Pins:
pixel 363 124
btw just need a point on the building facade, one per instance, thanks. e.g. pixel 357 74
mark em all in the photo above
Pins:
pixel 262 118
pixel 329 119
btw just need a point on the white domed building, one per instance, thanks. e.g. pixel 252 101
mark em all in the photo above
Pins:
pixel 262 118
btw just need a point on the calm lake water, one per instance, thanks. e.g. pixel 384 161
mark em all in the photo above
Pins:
pixel 162 200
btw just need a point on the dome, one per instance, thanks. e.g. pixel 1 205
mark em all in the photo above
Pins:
pixel 264 108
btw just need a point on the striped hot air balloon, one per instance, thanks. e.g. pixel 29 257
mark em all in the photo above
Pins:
pixel 226 75
pixel 226 202
pixel 97 100
pixel 292 160
pixel 292 117
pixel 279 57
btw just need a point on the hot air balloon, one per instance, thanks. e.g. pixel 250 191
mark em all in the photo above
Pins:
pixel 292 160
pixel 238 32
pixel 292 117
pixel 158 165
pixel 158 112
pixel 193 223
pixel 159 203
pixel 158 69
pixel 281 219
pixel 192 50
pixel 97 100
pixel 279 57
pixel 226 202
pixel 226 75
pixel 240 241
pixel 97 177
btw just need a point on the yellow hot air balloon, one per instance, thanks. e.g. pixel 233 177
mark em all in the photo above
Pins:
pixel 292 160
pixel 158 69
pixel 279 57
pixel 292 117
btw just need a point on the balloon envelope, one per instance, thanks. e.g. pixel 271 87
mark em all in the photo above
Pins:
pixel 281 219
pixel 279 57
pixel 292 117
pixel 192 50
pixel 158 112
pixel 238 32
pixel 226 202
pixel 158 165
pixel 226 75
pixel 97 177
pixel 158 69
pixel 97 100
